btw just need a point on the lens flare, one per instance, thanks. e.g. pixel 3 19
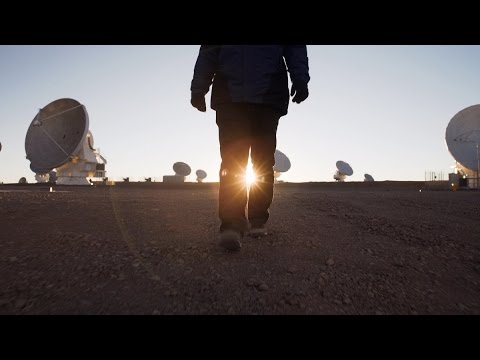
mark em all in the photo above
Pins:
pixel 249 175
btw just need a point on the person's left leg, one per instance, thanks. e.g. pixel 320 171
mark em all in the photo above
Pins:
pixel 234 130
pixel 263 145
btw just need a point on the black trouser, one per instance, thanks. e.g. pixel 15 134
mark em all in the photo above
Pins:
pixel 245 128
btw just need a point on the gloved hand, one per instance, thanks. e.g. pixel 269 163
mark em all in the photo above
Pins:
pixel 198 101
pixel 300 90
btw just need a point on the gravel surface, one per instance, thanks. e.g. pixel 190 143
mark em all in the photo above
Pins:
pixel 332 249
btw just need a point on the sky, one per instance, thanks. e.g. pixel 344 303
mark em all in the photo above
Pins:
pixel 383 109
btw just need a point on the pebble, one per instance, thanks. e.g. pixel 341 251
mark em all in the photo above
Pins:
pixel 292 269
pixel 263 287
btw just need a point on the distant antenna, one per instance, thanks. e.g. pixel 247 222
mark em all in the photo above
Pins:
pixel 343 170
pixel 282 164
pixel 181 170
pixel 0 146
pixel 463 140
pixel 58 138
pixel 127 179
pixel 368 177
pixel 148 179
pixel 23 181
pixel 201 175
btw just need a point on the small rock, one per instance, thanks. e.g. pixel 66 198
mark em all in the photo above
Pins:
pixel 330 262
pixel 263 287
pixel 347 301
pixel 292 269
pixel 156 312
pixel 13 258
pixel 292 301
pixel 378 312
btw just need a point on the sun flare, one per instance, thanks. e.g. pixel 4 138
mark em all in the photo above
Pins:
pixel 249 175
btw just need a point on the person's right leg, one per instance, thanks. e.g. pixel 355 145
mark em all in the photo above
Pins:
pixel 234 149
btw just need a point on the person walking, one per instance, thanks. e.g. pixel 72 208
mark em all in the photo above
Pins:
pixel 250 93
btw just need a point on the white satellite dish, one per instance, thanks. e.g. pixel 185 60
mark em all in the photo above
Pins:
pixel 463 138
pixel 343 170
pixel 201 175
pixel 282 164
pixel 181 169
pixel 368 177
pixel 58 138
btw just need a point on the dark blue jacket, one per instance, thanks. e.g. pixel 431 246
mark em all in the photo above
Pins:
pixel 249 73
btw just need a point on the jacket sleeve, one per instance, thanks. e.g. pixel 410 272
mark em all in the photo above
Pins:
pixel 297 62
pixel 205 68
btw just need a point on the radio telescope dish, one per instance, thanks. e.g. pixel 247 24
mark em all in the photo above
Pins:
pixel 181 169
pixel 282 162
pixel 38 170
pixel 56 133
pixel 463 138
pixel 23 180
pixel 58 138
pixel 0 146
pixel 343 170
pixel 368 177
pixel 201 175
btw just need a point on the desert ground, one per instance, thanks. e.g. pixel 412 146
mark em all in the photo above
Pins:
pixel 383 248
